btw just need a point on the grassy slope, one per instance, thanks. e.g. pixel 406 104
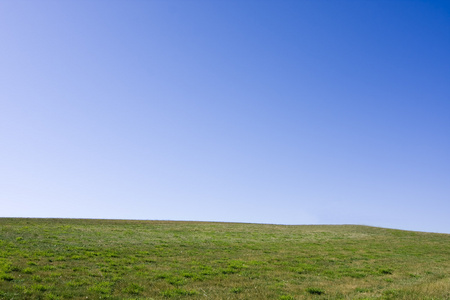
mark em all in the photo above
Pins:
pixel 60 258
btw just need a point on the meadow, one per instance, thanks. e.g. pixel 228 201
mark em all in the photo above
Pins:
pixel 123 259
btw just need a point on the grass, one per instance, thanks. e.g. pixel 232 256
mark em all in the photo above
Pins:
pixel 118 259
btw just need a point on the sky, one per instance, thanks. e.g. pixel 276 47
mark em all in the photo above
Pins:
pixel 281 112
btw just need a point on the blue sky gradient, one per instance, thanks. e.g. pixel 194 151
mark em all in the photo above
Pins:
pixel 287 112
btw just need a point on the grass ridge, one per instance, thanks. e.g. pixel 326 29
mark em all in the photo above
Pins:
pixel 135 259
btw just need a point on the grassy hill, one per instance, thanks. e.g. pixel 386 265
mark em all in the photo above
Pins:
pixel 119 259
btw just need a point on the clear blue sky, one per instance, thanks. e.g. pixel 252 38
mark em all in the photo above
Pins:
pixel 288 112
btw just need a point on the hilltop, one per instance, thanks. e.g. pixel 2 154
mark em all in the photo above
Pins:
pixel 122 259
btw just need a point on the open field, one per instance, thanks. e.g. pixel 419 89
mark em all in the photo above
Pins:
pixel 119 259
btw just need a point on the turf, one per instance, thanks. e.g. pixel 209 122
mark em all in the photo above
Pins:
pixel 120 259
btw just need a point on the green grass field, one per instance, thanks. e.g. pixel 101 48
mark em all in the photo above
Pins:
pixel 119 259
